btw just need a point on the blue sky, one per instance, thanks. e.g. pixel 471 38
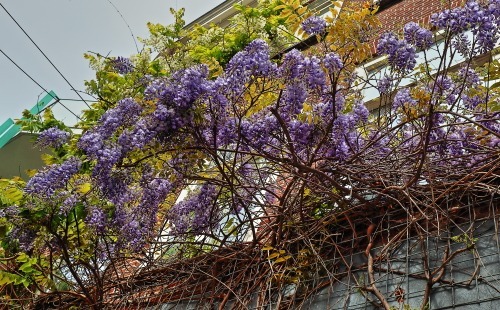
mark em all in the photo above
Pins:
pixel 65 30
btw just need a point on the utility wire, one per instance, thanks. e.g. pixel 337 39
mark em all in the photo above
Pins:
pixel 68 109
pixel 77 100
pixel 72 88
pixel 44 89
pixel 130 29
pixel 25 73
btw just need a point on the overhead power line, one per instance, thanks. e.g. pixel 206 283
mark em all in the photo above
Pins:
pixel 57 100
pixel 76 100
pixel 130 29
pixel 25 73
pixel 72 88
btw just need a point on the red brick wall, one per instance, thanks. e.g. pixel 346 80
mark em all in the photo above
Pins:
pixel 395 16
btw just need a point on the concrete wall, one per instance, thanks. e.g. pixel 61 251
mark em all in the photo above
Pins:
pixel 19 155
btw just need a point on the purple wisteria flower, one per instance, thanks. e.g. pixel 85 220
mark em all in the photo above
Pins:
pixel 96 143
pixel 193 214
pixel 175 97
pixel 384 84
pixel 360 112
pixel 131 234
pixel 253 61
pixel 25 237
pixel 68 204
pixel 293 99
pixel 122 65
pixel 314 74
pixel 154 194
pixel 52 137
pixel 470 81
pixel 186 86
pixel 301 133
pixel 137 137
pixel 453 20
pixel 401 54
pixel 114 185
pixel 471 102
pixel 402 98
pixel 462 44
pixel 297 69
pixel 314 25
pixel 227 132
pixel 97 219
pixel 136 223
pixel 489 121
pixel 443 84
pixel 333 63
pixel 10 211
pixel 291 67
pixel 469 77
pixel 481 18
pixel 418 36
pixel 45 183
pixel 125 113
pixel 157 89
pixel 260 131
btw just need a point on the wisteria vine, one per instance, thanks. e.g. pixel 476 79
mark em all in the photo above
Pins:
pixel 217 160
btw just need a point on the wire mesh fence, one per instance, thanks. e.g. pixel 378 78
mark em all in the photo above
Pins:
pixel 451 263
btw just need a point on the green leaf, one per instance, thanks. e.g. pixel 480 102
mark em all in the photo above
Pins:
pixel 84 188
pixel 22 258
pixel 26 267
pixel 10 192
pixel 10 278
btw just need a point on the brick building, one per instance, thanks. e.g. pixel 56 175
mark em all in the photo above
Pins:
pixel 396 13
